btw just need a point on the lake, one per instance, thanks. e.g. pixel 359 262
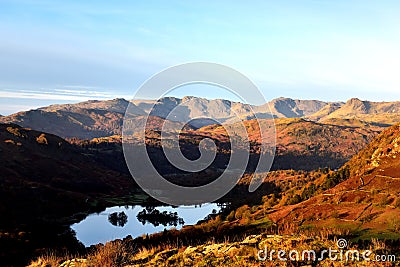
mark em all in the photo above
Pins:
pixel 119 222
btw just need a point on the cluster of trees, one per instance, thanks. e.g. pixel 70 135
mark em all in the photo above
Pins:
pixel 155 217
pixel 336 177
pixel 331 180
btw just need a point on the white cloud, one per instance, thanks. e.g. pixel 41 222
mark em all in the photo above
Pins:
pixel 56 94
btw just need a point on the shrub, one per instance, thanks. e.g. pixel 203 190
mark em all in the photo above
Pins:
pixel 294 200
pixel 242 212
pixel 231 216
pixel 397 202
pixel 386 200
pixel 308 192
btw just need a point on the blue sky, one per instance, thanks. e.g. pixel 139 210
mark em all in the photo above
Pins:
pixel 69 51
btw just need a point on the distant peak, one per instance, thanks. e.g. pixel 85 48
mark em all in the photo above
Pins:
pixel 354 100
pixel 169 99
pixel 118 99
pixel 357 103
pixel 282 98
pixel 188 98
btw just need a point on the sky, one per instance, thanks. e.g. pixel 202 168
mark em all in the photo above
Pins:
pixel 69 51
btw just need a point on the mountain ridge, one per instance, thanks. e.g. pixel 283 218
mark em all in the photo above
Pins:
pixel 95 118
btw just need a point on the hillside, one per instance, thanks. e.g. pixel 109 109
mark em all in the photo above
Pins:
pixel 45 184
pixel 39 164
pixel 367 202
pixel 379 155
pixel 325 111
pixel 307 145
pixel 301 145
pixel 83 120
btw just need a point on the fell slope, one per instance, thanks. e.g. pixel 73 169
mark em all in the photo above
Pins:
pixel 325 111
pixel 307 145
pixel 368 202
pixel 83 120
pixel 33 162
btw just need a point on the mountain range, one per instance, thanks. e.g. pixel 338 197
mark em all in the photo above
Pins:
pixel 91 119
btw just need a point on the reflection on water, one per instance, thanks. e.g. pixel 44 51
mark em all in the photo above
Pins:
pixel 118 218
pixel 119 222
pixel 156 217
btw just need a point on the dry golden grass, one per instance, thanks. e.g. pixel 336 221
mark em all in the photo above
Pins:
pixel 47 260
pixel 111 254
pixel 144 253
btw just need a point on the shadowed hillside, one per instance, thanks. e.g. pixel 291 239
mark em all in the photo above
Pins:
pixel 45 184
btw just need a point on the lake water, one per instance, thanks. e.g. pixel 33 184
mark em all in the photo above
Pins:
pixel 97 228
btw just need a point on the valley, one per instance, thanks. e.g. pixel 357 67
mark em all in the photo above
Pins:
pixel 334 175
